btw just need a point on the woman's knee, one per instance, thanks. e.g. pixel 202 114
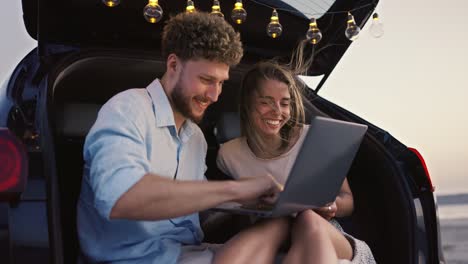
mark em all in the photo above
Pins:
pixel 309 223
pixel 317 229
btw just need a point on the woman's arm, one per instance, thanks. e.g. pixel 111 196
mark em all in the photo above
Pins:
pixel 344 200
pixel 342 206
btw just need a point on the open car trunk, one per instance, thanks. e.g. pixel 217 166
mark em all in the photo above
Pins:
pixel 83 24
pixel 384 214
pixel 87 53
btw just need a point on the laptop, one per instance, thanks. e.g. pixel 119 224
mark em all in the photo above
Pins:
pixel 319 170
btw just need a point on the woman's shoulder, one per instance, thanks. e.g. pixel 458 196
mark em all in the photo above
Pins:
pixel 233 145
pixel 230 154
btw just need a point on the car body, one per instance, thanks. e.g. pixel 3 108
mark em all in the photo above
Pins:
pixel 88 52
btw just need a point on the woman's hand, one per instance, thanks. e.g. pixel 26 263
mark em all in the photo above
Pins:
pixel 327 212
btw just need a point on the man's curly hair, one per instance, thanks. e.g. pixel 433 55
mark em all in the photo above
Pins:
pixel 200 35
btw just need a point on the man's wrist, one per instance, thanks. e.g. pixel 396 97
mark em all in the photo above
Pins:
pixel 232 190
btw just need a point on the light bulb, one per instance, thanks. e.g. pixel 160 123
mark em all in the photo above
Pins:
pixel 313 34
pixel 153 12
pixel 190 7
pixel 376 28
pixel 238 14
pixel 352 30
pixel 274 28
pixel 216 9
pixel 111 3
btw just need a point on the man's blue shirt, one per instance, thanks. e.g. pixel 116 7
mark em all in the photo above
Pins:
pixel 135 134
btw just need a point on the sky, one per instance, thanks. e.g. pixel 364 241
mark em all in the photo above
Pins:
pixel 410 82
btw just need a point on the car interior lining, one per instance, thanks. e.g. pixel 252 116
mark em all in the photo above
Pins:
pixel 85 84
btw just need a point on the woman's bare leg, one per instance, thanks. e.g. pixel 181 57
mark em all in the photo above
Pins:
pixel 340 243
pixel 315 240
pixel 310 241
pixel 258 244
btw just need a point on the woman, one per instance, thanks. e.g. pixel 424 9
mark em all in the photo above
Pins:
pixel 272 124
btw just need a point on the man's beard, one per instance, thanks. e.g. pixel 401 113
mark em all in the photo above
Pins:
pixel 182 103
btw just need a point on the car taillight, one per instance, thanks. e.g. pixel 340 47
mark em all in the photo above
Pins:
pixel 423 163
pixel 13 165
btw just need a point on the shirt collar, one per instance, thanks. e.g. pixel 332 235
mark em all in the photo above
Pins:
pixel 163 112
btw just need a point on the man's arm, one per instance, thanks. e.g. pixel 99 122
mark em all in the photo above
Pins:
pixel 155 198
pixel 119 172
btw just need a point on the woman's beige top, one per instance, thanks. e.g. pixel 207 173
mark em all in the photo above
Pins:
pixel 236 159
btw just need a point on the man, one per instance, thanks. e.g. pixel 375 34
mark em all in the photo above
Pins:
pixel 143 181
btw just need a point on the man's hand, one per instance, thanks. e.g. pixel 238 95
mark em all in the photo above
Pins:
pixel 264 188
pixel 327 212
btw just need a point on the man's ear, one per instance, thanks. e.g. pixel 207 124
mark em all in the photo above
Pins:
pixel 172 63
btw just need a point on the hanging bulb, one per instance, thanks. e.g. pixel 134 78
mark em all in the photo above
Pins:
pixel 216 9
pixel 313 34
pixel 190 7
pixel 376 28
pixel 238 14
pixel 352 30
pixel 274 28
pixel 111 3
pixel 153 12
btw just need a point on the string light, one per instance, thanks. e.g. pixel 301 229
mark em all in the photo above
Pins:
pixel 352 30
pixel 238 14
pixel 111 3
pixel 376 28
pixel 153 12
pixel 274 28
pixel 216 9
pixel 313 34
pixel 190 7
